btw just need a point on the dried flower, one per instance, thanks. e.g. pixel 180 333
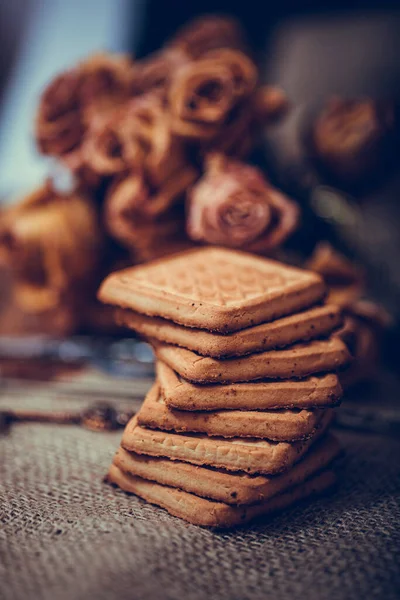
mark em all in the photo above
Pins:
pixel 233 205
pixel 204 93
pixel 105 78
pixel 59 124
pixel 75 98
pixel 350 137
pixel 131 203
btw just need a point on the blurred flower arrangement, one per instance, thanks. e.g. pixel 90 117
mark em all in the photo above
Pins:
pixel 158 150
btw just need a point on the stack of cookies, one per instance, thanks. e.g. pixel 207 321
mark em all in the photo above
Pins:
pixel 236 424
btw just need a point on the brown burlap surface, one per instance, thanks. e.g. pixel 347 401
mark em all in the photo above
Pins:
pixel 66 535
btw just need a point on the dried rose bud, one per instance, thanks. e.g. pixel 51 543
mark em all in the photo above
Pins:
pixel 103 149
pixel 242 69
pixel 146 131
pixel 204 94
pixel 58 124
pixel 105 75
pixel 233 205
pixel 61 96
pixel 131 203
pixel 74 100
pixel 135 137
pixel 129 219
pixel 124 200
pixel 350 137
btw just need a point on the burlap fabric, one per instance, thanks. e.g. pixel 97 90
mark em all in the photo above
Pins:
pixel 66 535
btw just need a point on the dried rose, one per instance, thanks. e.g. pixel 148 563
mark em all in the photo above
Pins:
pixel 105 77
pixel 103 148
pixel 233 205
pixel 130 200
pixel 76 98
pixel 58 124
pixel 135 138
pixel 146 225
pixel 350 137
pixel 204 94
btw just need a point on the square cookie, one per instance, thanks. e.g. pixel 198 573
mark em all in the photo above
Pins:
pixel 276 425
pixel 306 325
pixel 213 288
pixel 250 455
pixel 223 486
pixel 313 392
pixel 208 513
pixel 299 360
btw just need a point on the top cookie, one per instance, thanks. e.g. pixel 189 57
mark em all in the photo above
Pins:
pixel 214 289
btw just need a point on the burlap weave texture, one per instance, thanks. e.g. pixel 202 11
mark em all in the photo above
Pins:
pixel 66 535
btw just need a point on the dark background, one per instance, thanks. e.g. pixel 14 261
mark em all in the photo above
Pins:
pixel 259 18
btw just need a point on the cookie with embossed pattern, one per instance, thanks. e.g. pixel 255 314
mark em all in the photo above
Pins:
pixel 313 392
pixel 299 360
pixel 276 425
pixel 250 455
pixel 213 288
pixel 208 513
pixel 306 325
pixel 225 486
